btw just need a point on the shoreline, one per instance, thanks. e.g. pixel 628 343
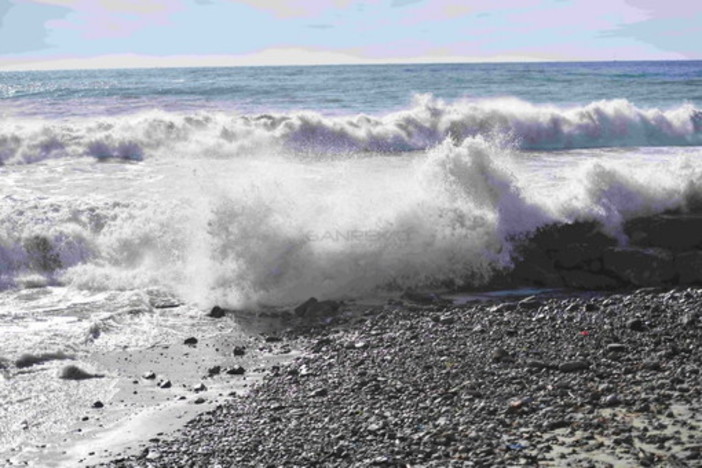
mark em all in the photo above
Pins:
pixel 547 380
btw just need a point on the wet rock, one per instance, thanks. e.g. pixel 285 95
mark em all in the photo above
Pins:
pixel 639 267
pixel 678 232
pixel 688 266
pixel 217 312
pixel 76 373
pixel 312 308
pixel 236 370
pixel 28 360
pixel 578 279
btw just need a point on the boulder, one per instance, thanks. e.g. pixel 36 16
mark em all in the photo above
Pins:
pixel 314 308
pixel 578 255
pixel 534 267
pixel 579 279
pixel 677 232
pixel 640 267
pixel 558 237
pixel 688 266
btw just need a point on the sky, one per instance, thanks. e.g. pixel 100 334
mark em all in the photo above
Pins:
pixel 51 34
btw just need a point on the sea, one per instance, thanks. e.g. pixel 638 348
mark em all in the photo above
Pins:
pixel 132 201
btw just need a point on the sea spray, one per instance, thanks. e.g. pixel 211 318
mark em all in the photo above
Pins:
pixel 177 135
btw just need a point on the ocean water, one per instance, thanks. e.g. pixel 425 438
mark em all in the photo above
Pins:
pixel 253 187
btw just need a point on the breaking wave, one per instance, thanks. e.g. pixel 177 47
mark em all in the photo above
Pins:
pixel 428 122
pixel 280 229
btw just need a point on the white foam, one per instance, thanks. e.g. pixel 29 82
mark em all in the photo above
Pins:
pixel 427 123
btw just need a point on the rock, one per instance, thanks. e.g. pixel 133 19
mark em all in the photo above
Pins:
pixel 312 308
pixel 200 388
pixel 192 341
pixel 320 392
pixel 535 268
pixel 199 400
pixel 28 360
pixel 573 366
pixel 165 384
pixel 556 424
pixel 76 373
pixel 212 371
pixel 98 404
pixel 536 364
pixel 688 266
pixel 677 232
pixel 273 339
pixel 612 400
pixel 578 279
pixel 217 312
pixel 239 351
pixel 639 267
pixel 499 355
pixel 237 370
pixel 636 325
pixel 577 255
pixel 616 348
pixel 148 375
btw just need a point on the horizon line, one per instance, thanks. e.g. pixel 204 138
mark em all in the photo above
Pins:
pixel 45 66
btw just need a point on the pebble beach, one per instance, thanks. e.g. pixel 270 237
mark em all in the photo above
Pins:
pixel 554 379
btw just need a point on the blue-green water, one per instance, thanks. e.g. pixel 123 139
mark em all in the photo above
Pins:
pixel 369 89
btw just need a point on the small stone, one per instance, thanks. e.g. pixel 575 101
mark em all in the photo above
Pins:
pixel 636 325
pixel 148 375
pixel 200 400
pixel 612 400
pixel 273 339
pixel 556 424
pixel 165 384
pixel 200 387
pixel 212 371
pixel 237 370
pixel 573 366
pixel 616 348
pixel 239 351
pixel 320 392
pixel 98 404
pixel 499 354
pixel 217 312
pixel 192 341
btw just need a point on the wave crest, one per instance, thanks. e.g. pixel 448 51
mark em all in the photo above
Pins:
pixel 427 123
